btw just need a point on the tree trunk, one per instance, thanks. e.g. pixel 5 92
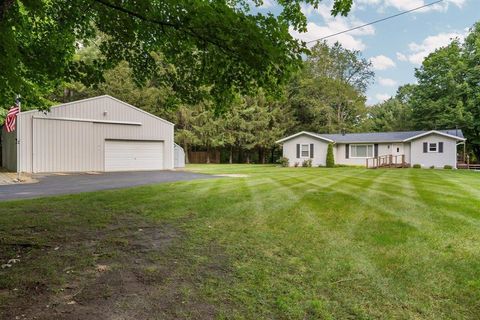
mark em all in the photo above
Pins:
pixel 185 148
pixel 248 157
pixel 208 155
pixel 7 4
pixel 263 156
pixel 230 159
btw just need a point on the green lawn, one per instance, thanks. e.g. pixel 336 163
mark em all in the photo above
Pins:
pixel 280 243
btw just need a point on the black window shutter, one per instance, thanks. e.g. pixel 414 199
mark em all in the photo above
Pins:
pixel 375 150
pixel 311 150
pixel 425 147
pixel 347 151
pixel 440 147
pixel 298 151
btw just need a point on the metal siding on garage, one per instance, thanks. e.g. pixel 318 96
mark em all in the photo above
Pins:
pixel 63 146
pixel 50 143
pixel 131 155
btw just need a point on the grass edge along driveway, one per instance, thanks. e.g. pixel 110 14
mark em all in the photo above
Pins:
pixel 290 243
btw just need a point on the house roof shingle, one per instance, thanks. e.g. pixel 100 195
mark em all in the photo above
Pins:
pixel 379 136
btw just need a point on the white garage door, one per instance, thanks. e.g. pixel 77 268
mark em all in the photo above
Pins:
pixel 123 155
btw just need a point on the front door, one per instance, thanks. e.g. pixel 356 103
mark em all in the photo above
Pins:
pixel 397 149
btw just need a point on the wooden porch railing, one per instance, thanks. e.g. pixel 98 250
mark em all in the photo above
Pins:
pixel 466 164
pixel 387 161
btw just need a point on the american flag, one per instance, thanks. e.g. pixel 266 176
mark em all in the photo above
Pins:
pixel 12 116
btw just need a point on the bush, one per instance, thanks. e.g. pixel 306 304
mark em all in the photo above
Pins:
pixel 283 161
pixel 330 162
pixel 448 167
pixel 307 163
pixel 417 166
pixel 432 167
pixel 296 164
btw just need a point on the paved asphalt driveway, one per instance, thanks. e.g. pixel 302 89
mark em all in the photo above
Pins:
pixel 65 184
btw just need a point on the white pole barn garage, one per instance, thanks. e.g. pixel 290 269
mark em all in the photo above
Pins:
pixel 97 134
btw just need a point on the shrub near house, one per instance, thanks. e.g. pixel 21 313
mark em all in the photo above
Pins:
pixel 330 161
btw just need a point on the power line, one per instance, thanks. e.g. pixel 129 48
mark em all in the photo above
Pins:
pixel 376 21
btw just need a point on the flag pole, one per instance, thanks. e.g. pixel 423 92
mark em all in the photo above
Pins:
pixel 17 101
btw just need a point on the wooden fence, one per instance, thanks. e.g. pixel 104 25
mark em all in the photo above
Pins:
pixel 201 156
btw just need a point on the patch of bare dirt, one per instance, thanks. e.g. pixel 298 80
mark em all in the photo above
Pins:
pixel 138 272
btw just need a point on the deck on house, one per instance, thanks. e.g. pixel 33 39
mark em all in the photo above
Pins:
pixel 387 161
pixel 471 166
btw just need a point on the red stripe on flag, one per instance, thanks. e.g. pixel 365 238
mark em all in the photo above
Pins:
pixel 11 118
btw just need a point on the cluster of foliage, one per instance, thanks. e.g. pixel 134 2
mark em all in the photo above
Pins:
pixel 307 163
pixel 283 161
pixel 226 45
pixel 328 95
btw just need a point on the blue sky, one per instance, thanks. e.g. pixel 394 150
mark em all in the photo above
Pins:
pixel 397 46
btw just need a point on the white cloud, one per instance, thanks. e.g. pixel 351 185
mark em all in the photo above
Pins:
pixel 307 9
pixel 382 96
pixel 401 57
pixel 333 25
pixel 418 51
pixel 386 82
pixel 382 62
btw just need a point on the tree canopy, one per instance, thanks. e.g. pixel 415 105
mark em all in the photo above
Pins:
pixel 226 46
pixel 328 94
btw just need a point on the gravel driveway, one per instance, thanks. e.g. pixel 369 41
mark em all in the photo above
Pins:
pixel 49 185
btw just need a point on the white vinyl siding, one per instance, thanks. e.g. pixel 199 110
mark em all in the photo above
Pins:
pixel 124 155
pixel 437 159
pixel 319 150
pixel 361 150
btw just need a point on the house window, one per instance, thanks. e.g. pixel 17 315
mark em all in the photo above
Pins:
pixel 305 150
pixel 432 147
pixel 398 150
pixel 361 150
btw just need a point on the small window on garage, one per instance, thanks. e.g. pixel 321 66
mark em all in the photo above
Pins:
pixel 305 150
pixel 432 147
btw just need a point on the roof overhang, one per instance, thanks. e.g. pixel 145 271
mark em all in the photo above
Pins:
pixel 303 133
pixel 434 132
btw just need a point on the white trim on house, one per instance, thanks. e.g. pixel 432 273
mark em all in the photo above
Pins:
pixel 303 132
pixel 434 132
pixel 430 145
pixel 308 150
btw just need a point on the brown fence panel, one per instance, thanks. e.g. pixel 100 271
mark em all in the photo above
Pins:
pixel 201 156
